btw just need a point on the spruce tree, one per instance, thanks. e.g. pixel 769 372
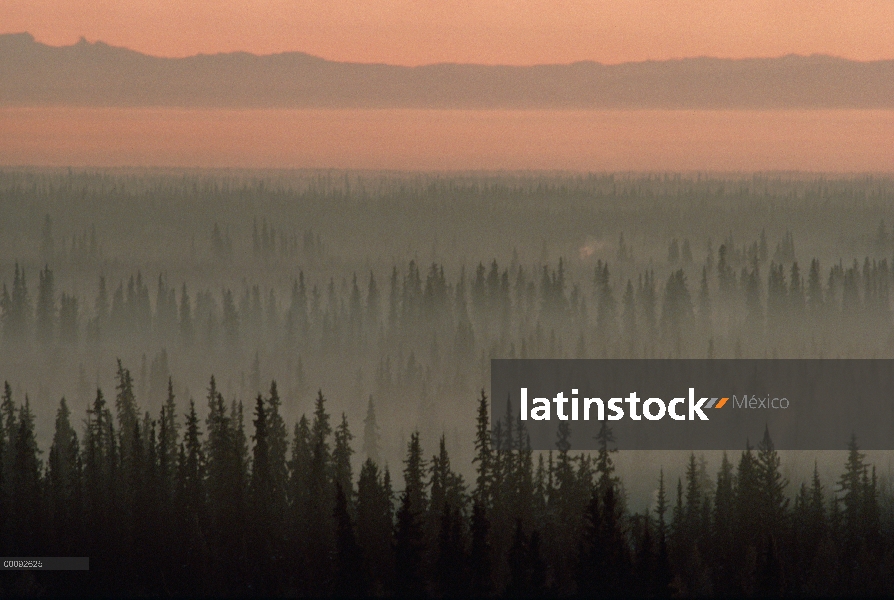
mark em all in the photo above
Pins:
pixel 483 493
pixel 852 493
pixel 747 503
pixel 64 483
pixel 45 312
pixel 662 566
pixel 773 503
pixel 126 409
pixel 278 449
pixel 265 559
pixel 519 572
pixel 409 549
pixel 341 459
pixel 191 518
pixel 349 573
pixel 371 434
pixel 480 559
pixel 414 483
pixel 10 429
pixel 320 527
pixel 723 517
pixel 604 466
pixel 26 519
pixel 168 442
pixel 450 563
pixel 374 527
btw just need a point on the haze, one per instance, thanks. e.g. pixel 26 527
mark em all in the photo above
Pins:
pixel 222 213
pixel 412 32
pixel 653 140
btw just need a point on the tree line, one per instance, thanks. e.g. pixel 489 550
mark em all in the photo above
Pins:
pixel 419 332
pixel 732 296
pixel 237 503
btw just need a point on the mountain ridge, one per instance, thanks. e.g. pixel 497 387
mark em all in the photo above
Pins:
pixel 101 75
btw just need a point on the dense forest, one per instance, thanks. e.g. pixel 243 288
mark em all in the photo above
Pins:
pixel 178 505
pixel 389 294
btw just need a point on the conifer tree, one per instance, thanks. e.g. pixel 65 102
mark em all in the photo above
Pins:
pixel 692 510
pixel 341 459
pixel 126 409
pixel 26 519
pixel 450 564
pixel 187 328
pixel 64 483
pixel 100 472
pixel 604 466
pixel 265 559
pixel 773 503
pixel 349 574
pixel 747 499
pixel 374 527
pixel 16 308
pixel 320 497
pixel 816 507
pixel 447 492
pixel 409 549
pixel 371 434
pixel 480 559
pixel 261 487
pixel 815 299
pixel 45 312
pixel 567 500
pixel 722 519
pixel 299 466
pixel 519 573
pixel 662 566
pixel 191 561
pixel 372 303
pixel 628 317
pixel 414 484
pixel 225 484
pixel 168 442
pixel 851 487
pixel 10 431
pixel 603 561
pixel 278 449
pixel 483 493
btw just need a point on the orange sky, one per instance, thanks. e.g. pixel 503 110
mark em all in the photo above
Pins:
pixel 832 141
pixel 483 31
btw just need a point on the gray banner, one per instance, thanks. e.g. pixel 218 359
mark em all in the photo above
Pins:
pixel 44 563
pixel 698 404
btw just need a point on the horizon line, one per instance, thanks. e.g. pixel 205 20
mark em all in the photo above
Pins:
pixel 83 41
pixel 729 174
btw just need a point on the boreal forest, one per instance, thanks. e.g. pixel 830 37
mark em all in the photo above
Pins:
pixel 265 383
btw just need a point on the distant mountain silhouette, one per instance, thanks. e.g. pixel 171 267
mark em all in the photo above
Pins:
pixel 96 74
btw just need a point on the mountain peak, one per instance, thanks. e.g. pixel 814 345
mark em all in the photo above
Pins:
pixel 12 39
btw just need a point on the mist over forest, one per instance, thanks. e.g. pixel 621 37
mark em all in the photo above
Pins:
pixel 388 293
pixel 403 287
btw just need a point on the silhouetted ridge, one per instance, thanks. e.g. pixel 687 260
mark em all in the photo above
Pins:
pixel 96 74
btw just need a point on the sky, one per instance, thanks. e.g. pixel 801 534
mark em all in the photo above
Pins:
pixel 413 32
pixel 660 140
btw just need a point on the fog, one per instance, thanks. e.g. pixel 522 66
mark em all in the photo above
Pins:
pixel 400 287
